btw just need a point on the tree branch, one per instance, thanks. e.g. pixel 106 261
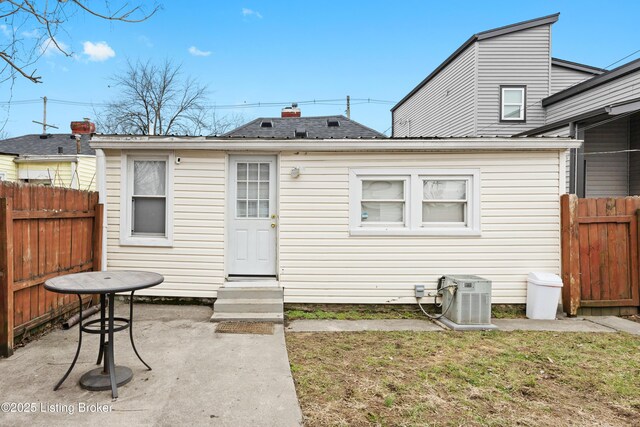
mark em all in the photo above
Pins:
pixel 7 59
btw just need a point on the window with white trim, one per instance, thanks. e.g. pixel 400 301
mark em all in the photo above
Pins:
pixel 512 103
pixel 146 216
pixel 383 201
pixel 419 202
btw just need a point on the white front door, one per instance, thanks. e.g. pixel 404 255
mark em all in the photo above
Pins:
pixel 252 216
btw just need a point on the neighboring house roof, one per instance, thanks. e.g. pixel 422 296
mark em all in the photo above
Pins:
pixel 598 80
pixel 305 127
pixel 577 66
pixel 34 144
pixel 519 26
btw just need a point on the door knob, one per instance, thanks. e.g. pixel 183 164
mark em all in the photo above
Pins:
pixel 273 225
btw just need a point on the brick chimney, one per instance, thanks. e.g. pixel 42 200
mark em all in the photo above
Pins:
pixel 292 111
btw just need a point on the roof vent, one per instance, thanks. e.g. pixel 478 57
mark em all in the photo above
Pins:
pixel 60 150
pixel 266 124
pixel 333 123
pixel 301 133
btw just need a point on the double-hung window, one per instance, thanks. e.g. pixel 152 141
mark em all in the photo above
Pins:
pixel 414 202
pixel 512 103
pixel 383 201
pixel 146 211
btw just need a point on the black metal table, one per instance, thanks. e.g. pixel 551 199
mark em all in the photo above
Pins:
pixel 106 284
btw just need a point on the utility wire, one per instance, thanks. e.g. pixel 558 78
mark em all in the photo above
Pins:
pixel 329 102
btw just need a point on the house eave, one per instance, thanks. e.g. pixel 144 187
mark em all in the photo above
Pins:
pixel 593 82
pixel 557 62
pixel 333 145
pixel 47 158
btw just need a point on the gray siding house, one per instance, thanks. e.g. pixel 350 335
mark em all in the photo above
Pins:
pixel 504 82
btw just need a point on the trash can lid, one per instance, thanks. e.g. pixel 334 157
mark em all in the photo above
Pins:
pixel 545 279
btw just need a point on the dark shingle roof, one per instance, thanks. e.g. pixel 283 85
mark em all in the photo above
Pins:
pixel 35 145
pixel 315 128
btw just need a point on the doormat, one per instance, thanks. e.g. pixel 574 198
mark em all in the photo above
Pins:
pixel 259 328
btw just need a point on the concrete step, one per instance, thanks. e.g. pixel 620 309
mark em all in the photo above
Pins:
pixel 251 284
pixel 248 305
pixel 248 317
pixel 250 293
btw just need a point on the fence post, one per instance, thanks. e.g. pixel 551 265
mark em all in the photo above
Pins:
pixel 570 234
pixel 6 280
pixel 97 236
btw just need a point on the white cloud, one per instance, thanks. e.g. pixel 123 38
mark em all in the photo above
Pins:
pixel 249 12
pixel 49 48
pixel 98 52
pixel 197 52
pixel 145 41
pixel 5 30
pixel 33 34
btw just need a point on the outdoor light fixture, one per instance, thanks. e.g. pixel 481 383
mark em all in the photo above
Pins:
pixel 295 172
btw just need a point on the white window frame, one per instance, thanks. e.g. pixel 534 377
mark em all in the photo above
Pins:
pixel 413 224
pixel 469 185
pixel 406 193
pixel 126 194
pixel 522 105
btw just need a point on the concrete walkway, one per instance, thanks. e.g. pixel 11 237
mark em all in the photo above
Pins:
pixel 578 324
pixel 199 377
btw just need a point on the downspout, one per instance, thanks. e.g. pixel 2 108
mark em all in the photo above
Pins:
pixel 101 184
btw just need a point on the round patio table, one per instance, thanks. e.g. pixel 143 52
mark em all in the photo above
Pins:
pixel 106 284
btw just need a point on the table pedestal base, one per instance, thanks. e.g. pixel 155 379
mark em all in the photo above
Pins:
pixel 97 379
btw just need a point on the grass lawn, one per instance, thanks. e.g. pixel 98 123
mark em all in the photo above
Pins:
pixel 470 378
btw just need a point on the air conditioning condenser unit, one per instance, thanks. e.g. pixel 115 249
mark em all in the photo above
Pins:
pixel 466 302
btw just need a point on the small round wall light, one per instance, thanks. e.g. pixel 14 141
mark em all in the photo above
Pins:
pixel 295 172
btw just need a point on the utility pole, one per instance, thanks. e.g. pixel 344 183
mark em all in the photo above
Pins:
pixel 44 118
pixel 44 115
pixel 348 107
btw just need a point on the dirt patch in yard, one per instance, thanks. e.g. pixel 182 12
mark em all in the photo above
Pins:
pixel 633 317
pixel 471 378
pixel 383 311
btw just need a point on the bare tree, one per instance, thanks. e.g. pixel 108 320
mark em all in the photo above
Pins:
pixel 29 27
pixel 155 100
pixel 223 124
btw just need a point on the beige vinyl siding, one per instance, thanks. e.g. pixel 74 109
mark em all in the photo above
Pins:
pixel 564 131
pixel 618 90
pixel 562 78
pixel 320 262
pixel 58 172
pixel 86 169
pixel 520 58
pixel 607 174
pixel 444 106
pixel 634 156
pixel 194 266
pixel 8 167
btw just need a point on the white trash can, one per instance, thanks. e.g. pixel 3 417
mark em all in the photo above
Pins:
pixel 543 294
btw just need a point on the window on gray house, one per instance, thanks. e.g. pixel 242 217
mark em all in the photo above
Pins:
pixel 512 103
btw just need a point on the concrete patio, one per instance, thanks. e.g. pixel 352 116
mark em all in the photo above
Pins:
pixel 198 377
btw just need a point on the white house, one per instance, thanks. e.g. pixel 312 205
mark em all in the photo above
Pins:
pixel 344 219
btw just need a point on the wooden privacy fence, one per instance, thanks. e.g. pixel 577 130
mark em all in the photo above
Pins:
pixel 599 253
pixel 44 232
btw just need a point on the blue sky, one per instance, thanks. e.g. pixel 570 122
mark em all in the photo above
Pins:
pixel 284 51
